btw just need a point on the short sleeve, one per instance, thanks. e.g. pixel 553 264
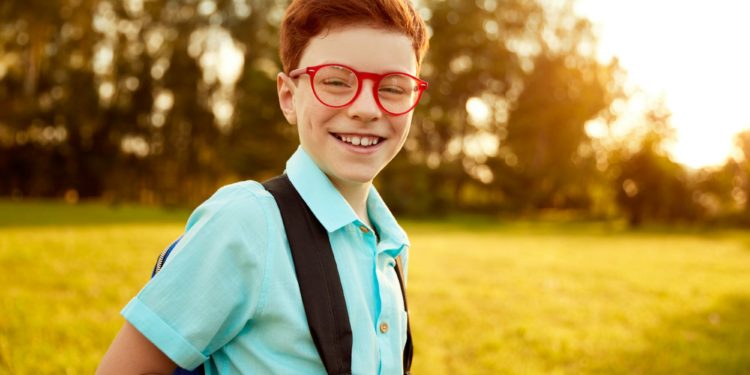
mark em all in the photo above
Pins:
pixel 212 283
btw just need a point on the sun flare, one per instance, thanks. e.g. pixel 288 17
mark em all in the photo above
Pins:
pixel 691 54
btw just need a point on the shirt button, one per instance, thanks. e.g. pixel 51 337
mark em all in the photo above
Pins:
pixel 384 327
pixel 363 229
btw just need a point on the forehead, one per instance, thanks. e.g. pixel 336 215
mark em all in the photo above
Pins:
pixel 362 47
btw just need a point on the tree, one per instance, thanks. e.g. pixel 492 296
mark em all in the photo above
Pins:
pixel 125 99
pixel 742 178
pixel 503 121
pixel 650 186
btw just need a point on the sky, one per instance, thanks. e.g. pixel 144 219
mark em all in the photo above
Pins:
pixel 693 53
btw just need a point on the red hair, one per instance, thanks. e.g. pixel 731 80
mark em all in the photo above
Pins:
pixel 305 19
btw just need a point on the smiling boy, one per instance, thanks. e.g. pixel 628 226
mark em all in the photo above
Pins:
pixel 228 298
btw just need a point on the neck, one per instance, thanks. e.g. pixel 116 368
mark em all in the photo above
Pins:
pixel 356 195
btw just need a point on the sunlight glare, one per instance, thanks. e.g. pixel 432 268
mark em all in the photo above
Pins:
pixel 694 55
pixel 479 112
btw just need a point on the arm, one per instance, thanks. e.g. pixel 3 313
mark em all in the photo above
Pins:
pixel 133 353
pixel 232 225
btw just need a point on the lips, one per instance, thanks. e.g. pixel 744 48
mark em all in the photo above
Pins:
pixel 360 140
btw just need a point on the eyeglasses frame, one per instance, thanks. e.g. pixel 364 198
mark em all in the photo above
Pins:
pixel 361 76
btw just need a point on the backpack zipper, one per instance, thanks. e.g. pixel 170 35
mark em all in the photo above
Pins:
pixel 160 261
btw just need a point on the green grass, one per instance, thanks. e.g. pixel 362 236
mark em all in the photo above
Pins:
pixel 56 213
pixel 486 297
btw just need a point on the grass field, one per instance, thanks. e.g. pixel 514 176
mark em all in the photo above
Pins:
pixel 486 297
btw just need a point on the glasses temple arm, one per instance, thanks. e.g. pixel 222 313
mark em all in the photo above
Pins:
pixel 297 72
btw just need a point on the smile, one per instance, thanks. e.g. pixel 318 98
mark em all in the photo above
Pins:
pixel 359 139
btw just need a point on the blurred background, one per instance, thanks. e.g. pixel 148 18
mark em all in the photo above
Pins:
pixel 597 108
pixel 575 184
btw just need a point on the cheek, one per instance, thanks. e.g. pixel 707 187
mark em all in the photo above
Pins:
pixel 319 120
pixel 313 115
pixel 401 128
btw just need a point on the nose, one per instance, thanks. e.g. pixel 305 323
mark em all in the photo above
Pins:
pixel 365 107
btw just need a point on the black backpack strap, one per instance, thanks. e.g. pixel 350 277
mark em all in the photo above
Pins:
pixel 409 348
pixel 317 276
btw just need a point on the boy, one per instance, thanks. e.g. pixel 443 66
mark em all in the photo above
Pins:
pixel 228 295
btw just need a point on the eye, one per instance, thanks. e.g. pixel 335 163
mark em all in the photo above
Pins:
pixel 392 90
pixel 336 82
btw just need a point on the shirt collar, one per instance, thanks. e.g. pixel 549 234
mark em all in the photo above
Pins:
pixel 384 222
pixel 330 207
pixel 324 200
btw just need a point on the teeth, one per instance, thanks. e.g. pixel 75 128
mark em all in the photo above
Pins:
pixel 359 141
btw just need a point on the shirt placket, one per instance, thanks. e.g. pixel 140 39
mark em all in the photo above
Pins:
pixel 386 328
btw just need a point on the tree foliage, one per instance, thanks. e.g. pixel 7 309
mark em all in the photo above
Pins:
pixel 125 99
pixel 503 124
pixel 650 186
pixel 164 101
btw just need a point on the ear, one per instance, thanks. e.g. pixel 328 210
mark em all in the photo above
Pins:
pixel 285 88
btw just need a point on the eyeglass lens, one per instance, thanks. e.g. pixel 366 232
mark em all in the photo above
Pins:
pixel 337 85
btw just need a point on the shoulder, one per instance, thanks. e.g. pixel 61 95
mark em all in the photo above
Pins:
pixel 245 199
pixel 235 224
pixel 241 193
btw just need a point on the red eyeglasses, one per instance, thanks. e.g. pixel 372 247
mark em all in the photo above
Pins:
pixel 337 86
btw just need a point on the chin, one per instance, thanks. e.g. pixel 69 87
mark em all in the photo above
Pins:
pixel 353 172
pixel 359 178
pixel 355 178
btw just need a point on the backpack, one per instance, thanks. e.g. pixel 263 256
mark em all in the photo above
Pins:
pixel 325 306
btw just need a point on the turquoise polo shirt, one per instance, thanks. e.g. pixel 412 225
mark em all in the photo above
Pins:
pixel 228 294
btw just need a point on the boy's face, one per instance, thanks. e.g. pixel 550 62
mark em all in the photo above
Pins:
pixel 321 128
